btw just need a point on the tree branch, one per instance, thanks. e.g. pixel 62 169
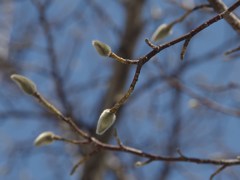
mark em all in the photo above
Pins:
pixel 231 18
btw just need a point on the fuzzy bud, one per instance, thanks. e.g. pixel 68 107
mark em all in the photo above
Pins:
pixel 138 164
pixel 24 83
pixel 161 32
pixel 44 138
pixel 102 49
pixel 105 121
pixel 193 103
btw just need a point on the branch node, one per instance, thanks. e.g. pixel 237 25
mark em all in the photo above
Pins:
pixel 217 172
pixel 181 154
pixel 119 142
pixel 150 44
pixel 82 160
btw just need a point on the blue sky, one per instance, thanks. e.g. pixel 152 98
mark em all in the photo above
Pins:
pixel 146 118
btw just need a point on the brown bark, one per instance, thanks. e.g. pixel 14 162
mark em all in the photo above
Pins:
pixel 231 18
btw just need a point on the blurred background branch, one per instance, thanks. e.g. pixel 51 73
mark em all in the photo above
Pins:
pixel 191 105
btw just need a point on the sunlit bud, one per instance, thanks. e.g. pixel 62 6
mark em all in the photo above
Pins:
pixel 105 121
pixel 139 163
pixel 193 103
pixel 161 32
pixel 102 49
pixel 24 83
pixel 44 138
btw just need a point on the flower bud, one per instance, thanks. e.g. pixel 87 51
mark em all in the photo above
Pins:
pixel 44 138
pixel 105 121
pixel 138 164
pixel 102 49
pixel 193 103
pixel 161 32
pixel 24 83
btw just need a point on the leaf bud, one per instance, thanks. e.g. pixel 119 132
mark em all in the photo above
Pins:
pixel 24 83
pixel 105 121
pixel 102 49
pixel 161 32
pixel 193 103
pixel 44 138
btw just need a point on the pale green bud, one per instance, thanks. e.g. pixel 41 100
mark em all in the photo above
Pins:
pixel 193 103
pixel 161 32
pixel 138 164
pixel 106 119
pixel 44 138
pixel 102 49
pixel 24 83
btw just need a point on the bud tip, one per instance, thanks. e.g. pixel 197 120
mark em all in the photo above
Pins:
pixel 24 83
pixel 44 138
pixel 102 48
pixel 106 120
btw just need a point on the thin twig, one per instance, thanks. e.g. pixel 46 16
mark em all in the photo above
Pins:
pixel 53 59
pixel 123 148
pixel 141 61
pixel 150 44
pixel 118 104
pixel 180 153
pixel 232 19
pixel 119 142
pixel 201 27
pixel 122 60
pixel 58 138
pixel 232 50
pixel 58 114
pixel 175 83
pixel 217 171
pixel 82 160
pixel 184 48
pixel 180 19
pixel 127 149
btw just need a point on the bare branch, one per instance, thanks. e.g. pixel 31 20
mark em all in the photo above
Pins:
pixel 184 48
pixel 232 51
pixel 217 171
pixel 150 44
pixel 231 18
